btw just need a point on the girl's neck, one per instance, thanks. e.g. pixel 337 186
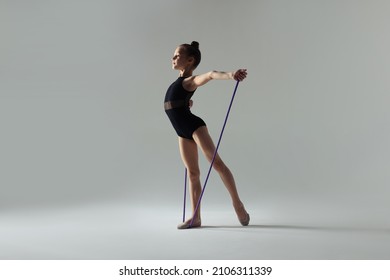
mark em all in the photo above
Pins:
pixel 186 72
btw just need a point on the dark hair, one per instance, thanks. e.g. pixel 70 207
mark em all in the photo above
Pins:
pixel 192 50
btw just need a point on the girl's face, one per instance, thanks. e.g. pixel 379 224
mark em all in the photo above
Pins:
pixel 180 60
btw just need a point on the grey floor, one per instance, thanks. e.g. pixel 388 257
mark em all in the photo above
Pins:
pixel 118 231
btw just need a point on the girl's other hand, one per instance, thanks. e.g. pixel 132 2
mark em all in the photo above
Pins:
pixel 240 75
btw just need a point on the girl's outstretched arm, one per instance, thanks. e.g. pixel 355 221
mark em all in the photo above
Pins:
pixel 193 82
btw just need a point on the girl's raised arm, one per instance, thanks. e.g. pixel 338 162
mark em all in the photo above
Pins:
pixel 193 82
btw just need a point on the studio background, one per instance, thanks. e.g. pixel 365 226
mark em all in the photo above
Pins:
pixel 82 121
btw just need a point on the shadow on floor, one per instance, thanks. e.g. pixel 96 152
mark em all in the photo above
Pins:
pixel 300 227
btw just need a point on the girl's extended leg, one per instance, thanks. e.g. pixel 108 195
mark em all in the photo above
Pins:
pixel 189 155
pixel 203 139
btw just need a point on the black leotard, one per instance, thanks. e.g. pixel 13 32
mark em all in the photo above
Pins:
pixel 178 110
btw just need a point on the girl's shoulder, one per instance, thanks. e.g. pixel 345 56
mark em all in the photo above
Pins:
pixel 187 83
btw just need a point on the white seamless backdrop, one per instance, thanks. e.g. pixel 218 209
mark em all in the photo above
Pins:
pixel 82 85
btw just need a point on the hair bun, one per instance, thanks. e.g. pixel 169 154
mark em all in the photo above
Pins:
pixel 195 44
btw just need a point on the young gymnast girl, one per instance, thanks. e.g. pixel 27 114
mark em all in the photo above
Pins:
pixel 192 130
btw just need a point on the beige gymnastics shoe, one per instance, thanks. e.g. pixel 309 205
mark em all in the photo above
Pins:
pixel 186 224
pixel 244 219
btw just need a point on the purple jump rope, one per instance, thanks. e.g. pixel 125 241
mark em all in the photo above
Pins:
pixel 211 164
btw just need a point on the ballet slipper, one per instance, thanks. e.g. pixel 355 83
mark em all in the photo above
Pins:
pixel 243 221
pixel 186 224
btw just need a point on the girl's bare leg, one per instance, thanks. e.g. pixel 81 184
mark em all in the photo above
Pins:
pixel 204 141
pixel 189 155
